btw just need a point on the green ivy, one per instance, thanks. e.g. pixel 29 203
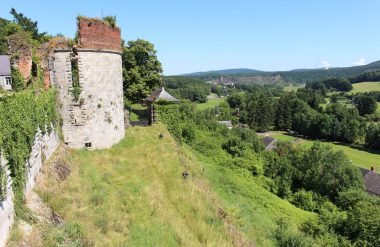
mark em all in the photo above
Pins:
pixel 77 88
pixel 18 81
pixel 3 184
pixel 21 115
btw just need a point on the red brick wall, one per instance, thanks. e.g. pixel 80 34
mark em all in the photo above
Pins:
pixel 94 34
pixel 46 79
pixel 25 65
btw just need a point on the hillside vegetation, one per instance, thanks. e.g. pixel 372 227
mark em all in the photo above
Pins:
pixel 134 194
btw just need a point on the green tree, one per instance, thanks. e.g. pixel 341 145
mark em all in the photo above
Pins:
pixel 142 72
pixel 27 24
pixel 327 172
pixel 363 224
pixel 365 104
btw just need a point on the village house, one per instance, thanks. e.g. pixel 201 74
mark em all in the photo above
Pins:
pixel 371 181
pixel 5 73
pixel 269 143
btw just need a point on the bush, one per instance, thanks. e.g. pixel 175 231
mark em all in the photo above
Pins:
pixel 304 199
pixel 18 81
pixel 291 238
pixel 188 133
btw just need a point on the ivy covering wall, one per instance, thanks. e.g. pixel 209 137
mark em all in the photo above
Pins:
pixel 21 114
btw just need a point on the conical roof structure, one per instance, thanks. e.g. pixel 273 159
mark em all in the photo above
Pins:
pixel 161 94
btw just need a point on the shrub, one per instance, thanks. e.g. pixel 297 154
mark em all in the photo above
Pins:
pixel 291 238
pixel 18 81
pixel 304 199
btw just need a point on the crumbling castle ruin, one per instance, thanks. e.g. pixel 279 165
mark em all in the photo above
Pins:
pixel 88 78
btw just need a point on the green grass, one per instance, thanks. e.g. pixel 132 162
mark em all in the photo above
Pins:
pixel 365 87
pixel 133 116
pixel 359 157
pixel 293 88
pixel 254 208
pixel 138 106
pixel 134 194
pixel 211 103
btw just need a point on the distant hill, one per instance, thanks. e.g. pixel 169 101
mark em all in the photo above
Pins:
pixel 297 76
pixel 225 72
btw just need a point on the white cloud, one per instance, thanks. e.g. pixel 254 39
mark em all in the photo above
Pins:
pixel 360 61
pixel 324 64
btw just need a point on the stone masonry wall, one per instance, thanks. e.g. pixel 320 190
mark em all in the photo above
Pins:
pixel 6 208
pixel 43 147
pixel 94 34
pixel 97 119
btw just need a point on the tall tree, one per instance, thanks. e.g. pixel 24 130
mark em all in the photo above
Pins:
pixel 142 72
pixel 27 24
pixel 365 104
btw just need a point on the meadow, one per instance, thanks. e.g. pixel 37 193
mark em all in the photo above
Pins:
pixel 211 103
pixel 365 87
pixel 359 156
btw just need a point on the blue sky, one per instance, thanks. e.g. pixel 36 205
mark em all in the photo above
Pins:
pixel 201 35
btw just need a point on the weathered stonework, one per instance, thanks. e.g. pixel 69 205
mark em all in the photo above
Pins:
pixel 96 120
pixel 43 147
pixel 23 60
pixel 6 207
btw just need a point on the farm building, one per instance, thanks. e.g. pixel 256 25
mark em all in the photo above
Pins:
pixel 5 73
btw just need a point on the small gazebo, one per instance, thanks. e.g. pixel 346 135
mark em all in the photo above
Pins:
pixel 158 95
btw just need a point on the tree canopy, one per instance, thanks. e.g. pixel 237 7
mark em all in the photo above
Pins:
pixel 142 72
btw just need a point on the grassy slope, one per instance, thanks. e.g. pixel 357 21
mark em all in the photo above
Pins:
pixel 211 103
pixel 134 195
pixel 365 87
pixel 359 157
pixel 254 208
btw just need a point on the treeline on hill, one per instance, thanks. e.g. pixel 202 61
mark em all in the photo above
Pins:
pixel 347 216
pixel 344 84
pixel 193 89
pixel 301 112
pixel 300 76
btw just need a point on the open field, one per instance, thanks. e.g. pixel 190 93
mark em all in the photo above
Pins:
pixel 211 103
pixel 293 88
pixel 365 87
pixel 359 157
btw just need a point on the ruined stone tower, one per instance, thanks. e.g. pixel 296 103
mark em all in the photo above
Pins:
pixel 89 82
